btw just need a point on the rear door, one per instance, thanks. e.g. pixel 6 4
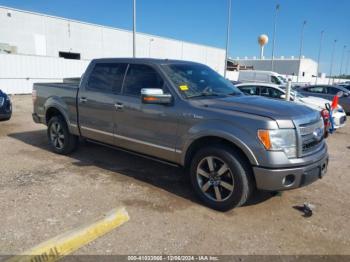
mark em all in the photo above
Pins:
pixel 145 128
pixel 96 101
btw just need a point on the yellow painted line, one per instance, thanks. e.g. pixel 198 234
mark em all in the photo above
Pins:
pixel 72 240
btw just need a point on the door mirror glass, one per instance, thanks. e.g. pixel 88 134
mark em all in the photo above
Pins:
pixel 155 96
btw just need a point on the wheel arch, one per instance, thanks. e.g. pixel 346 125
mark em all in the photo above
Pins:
pixel 212 139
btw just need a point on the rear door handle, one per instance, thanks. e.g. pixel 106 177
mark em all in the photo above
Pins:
pixel 118 106
pixel 83 99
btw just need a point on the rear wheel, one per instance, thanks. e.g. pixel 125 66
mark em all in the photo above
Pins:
pixel 221 177
pixel 60 139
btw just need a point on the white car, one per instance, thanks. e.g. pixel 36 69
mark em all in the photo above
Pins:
pixel 277 92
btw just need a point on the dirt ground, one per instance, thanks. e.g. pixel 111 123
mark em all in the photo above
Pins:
pixel 43 195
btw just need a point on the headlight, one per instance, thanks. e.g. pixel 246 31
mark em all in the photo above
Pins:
pixel 279 140
pixel 2 100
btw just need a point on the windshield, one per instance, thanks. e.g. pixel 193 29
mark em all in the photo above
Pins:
pixel 195 80
pixel 282 79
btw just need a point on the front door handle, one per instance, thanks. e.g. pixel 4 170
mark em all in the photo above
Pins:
pixel 83 100
pixel 118 106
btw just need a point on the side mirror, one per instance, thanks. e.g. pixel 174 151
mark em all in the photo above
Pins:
pixel 340 94
pixel 283 96
pixel 155 96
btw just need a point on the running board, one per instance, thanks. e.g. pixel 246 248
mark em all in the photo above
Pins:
pixel 134 153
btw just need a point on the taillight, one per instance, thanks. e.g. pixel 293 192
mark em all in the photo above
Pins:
pixel 34 95
pixel 326 121
pixel 325 114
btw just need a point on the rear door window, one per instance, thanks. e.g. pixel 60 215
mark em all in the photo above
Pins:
pixel 107 77
pixel 141 76
pixel 317 89
pixel 332 90
pixel 264 91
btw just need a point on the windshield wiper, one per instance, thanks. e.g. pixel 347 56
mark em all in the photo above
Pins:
pixel 204 94
pixel 234 94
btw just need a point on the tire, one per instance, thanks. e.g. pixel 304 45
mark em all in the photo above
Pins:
pixel 230 182
pixel 6 119
pixel 61 140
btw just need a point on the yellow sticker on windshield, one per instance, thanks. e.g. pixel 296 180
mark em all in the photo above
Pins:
pixel 183 87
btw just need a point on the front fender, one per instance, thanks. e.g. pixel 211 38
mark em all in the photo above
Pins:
pixel 240 136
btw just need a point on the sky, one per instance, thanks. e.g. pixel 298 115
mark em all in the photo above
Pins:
pixel 205 21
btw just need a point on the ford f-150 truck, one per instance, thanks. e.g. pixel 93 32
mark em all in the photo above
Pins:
pixel 187 114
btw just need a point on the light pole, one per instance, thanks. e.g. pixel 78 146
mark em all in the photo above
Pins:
pixel 228 34
pixel 342 60
pixel 149 47
pixel 332 60
pixel 301 47
pixel 274 36
pixel 319 56
pixel 347 64
pixel 134 30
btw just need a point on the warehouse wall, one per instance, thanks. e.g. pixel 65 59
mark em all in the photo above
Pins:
pixel 19 72
pixel 41 35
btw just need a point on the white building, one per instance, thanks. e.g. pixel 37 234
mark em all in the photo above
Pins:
pixel 304 67
pixel 41 48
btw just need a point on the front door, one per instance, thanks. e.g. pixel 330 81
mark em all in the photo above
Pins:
pixel 145 128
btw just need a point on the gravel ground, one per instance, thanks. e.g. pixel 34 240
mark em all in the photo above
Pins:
pixel 43 194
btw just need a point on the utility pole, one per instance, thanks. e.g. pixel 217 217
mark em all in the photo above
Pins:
pixel 319 56
pixel 332 60
pixel 342 60
pixel 228 35
pixel 347 64
pixel 274 37
pixel 301 47
pixel 134 30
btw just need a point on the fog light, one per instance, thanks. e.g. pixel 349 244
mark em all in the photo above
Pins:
pixel 288 180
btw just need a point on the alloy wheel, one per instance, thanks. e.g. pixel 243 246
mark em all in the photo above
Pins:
pixel 215 178
pixel 57 135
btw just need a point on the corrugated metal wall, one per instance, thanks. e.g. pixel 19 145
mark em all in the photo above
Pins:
pixel 19 72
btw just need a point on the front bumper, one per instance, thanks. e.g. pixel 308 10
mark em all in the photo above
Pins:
pixel 5 115
pixel 6 111
pixel 290 178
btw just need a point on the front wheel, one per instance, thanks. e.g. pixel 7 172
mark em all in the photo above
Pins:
pixel 60 139
pixel 221 177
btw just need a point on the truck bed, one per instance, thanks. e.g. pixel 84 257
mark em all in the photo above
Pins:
pixel 65 95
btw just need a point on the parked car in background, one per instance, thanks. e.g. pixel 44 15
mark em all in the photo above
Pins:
pixel 328 92
pixel 277 92
pixel 261 76
pixel 5 106
pixel 187 114
pixel 345 85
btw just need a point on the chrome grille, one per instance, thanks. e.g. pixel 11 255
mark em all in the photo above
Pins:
pixel 311 137
pixel 2 101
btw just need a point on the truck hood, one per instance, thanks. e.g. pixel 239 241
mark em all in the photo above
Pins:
pixel 256 105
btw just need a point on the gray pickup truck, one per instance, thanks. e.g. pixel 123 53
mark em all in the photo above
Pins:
pixel 186 114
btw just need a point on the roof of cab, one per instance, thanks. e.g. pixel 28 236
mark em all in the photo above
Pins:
pixel 143 60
